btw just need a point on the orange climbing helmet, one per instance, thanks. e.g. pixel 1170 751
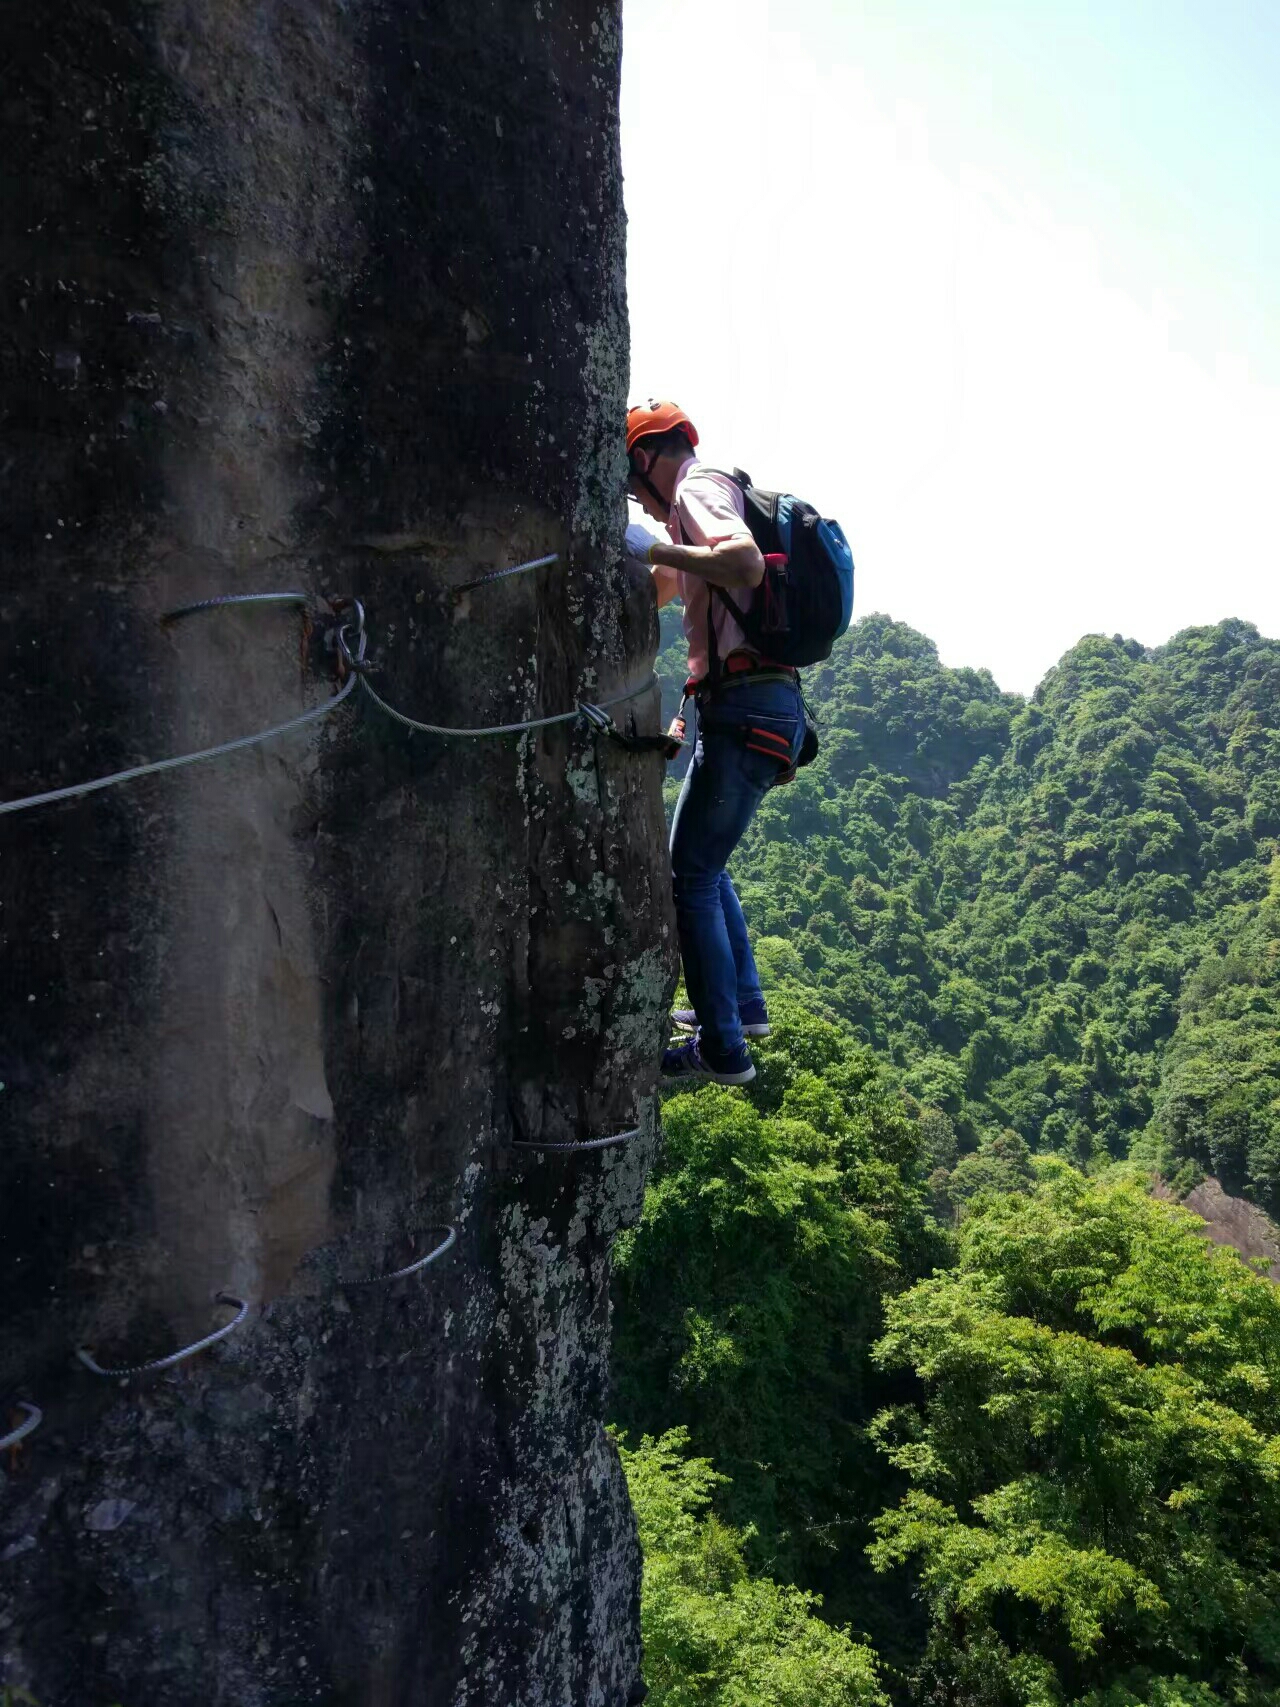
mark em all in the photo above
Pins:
pixel 658 417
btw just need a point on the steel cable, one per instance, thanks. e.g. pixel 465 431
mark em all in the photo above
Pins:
pixel 499 728
pixel 238 1304
pixel 413 1267
pixel 501 574
pixel 35 1416
pixel 79 788
pixel 576 1144
pixel 225 599
pixel 358 668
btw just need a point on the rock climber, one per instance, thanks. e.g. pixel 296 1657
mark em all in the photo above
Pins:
pixel 750 724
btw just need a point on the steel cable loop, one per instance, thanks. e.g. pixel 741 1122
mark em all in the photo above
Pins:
pixel 579 710
pixel 225 599
pixel 79 788
pixel 448 1243
pixel 576 1144
pixel 238 1304
pixel 501 574
pixel 35 1416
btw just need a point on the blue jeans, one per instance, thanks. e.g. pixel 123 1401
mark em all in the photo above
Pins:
pixel 723 787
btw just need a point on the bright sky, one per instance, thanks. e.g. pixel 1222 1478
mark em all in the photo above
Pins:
pixel 997 284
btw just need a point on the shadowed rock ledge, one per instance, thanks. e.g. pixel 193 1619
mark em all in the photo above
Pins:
pixel 325 296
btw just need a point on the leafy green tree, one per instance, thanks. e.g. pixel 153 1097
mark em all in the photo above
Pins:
pixel 714 1634
pixel 748 1298
pixel 939 1147
pixel 1095 1463
pixel 1001 1163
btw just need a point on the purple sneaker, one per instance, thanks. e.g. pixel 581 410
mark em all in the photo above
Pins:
pixel 686 1061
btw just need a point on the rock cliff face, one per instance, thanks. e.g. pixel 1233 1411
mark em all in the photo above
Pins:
pixel 1230 1220
pixel 325 295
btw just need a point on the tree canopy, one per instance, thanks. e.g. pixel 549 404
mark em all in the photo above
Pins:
pixel 927 1396
pixel 1094 1454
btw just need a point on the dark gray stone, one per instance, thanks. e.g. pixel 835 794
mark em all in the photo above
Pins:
pixel 324 294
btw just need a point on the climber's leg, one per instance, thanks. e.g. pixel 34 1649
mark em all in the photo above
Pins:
pixel 752 1012
pixel 751 1008
pixel 713 810
pixel 725 784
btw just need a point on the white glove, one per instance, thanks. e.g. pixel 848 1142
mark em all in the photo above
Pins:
pixel 639 539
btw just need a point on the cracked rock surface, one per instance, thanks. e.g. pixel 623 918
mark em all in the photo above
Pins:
pixel 324 295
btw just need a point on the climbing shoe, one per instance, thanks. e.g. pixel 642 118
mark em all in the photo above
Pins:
pixel 687 1061
pixel 754 1017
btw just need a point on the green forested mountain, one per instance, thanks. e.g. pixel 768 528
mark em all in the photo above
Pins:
pixel 902 1326
pixel 1059 917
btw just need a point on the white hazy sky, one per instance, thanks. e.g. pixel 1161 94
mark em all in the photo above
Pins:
pixel 996 283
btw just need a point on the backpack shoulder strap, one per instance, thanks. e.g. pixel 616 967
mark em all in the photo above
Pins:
pixel 735 610
pixel 743 482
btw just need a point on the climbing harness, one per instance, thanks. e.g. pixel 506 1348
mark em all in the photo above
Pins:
pixel 575 1144
pixel 501 574
pixel 743 669
pixel 35 1416
pixel 237 1304
pixel 420 1263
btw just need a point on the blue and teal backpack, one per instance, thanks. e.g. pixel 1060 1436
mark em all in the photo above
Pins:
pixel 802 606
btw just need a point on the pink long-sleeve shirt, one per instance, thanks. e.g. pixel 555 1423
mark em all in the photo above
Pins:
pixel 707 508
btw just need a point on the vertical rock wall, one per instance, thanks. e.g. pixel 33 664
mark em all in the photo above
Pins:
pixel 325 295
